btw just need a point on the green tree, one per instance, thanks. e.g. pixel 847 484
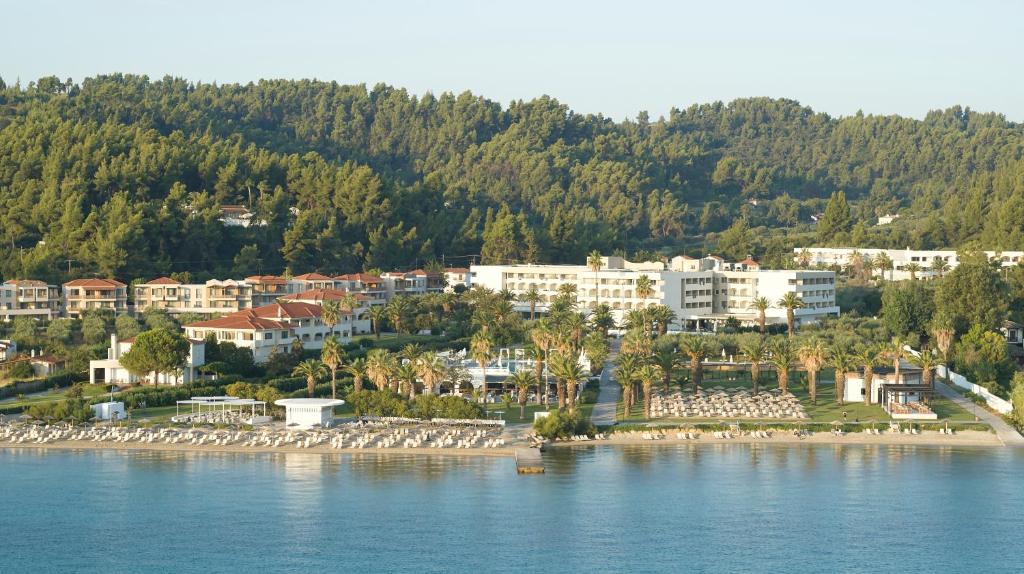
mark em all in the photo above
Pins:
pixel 790 301
pixel 332 355
pixel 158 351
pixel 907 308
pixel 126 326
pixel 836 219
pixel 973 294
pixel 312 370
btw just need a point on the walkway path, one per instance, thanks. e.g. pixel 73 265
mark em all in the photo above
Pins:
pixel 608 393
pixel 1006 433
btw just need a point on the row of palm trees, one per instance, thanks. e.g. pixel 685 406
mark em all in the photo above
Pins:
pixel 646 364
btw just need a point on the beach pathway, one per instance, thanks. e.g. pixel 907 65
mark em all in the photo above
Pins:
pixel 608 393
pixel 1006 433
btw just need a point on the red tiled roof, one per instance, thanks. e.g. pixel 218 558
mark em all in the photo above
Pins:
pixel 456 270
pixel 325 295
pixel 266 279
pixel 164 281
pixel 286 310
pixel 240 321
pixel 311 277
pixel 26 282
pixel 46 359
pixel 749 261
pixel 96 283
pixel 361 277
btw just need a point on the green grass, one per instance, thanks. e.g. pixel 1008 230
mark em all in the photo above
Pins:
pixel 511 414
pixel 396 338
pixel 88 392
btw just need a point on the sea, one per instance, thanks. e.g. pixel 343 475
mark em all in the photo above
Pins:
pixel 667 508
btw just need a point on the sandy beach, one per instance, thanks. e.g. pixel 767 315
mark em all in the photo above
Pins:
pixel 926 438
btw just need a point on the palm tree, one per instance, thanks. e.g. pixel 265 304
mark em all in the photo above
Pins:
pixel 761 304
pixel 601 319
pixel 543 338
pixel 804 257
pixel 313 370
pixel 625 374
pixel 406 374
pixel 813 354
pixel 647 374
pixel 568 292
pixel 380 367
pixel 636 342
pixel 784 355
pixel 667 360
pixel 869 356
pixel 869 268
pixel 884 263
pixel 330 314
pixel 378 314
pixel 357 369
pixel 789 302
pixel 431 370
pixel 536 354
pixel 697 348
pixel 926 361
pixel 913 269
pixel 567 371
pixel 663 315
pixel 331 355
pixel 411 351
pixel 398 310
pixel 943 332
pixel 644 287
pixel 595 263
pixel 939 266
pixel 843 362
pixel 756 349
pixel 480 350
pixel 896 351
pixel 521 381
pixel 531 296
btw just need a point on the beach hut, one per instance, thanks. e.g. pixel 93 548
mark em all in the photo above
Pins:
pixel 307 413
pixel 111 410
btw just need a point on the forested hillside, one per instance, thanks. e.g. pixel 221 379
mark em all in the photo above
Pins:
pixel 124 177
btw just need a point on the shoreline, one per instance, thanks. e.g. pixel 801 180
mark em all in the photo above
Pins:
pixel 926 438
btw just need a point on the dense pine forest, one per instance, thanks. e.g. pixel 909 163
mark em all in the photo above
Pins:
pixel 123 176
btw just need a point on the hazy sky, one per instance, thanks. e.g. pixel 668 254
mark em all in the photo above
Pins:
pixel 615 58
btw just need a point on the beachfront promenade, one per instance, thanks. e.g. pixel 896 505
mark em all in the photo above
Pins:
pixel 1006 433
pixel 609 391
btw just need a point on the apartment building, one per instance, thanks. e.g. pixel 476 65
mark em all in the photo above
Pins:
pixel 371 286
pixel 901 258
pixel 355 323
pixel 29 298
pixel 415 282
pixel 268 329
pixel 91 294
pixel 267 288
pixel 214 296
pixel 455 276
pixel 701 292
pixel 309 281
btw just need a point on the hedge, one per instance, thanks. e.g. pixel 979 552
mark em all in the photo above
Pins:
pixel 60 380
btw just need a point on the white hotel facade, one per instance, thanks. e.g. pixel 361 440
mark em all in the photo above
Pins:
pixel 701 292
pixel 901 258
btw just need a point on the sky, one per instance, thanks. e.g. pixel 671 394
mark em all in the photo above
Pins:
pixel 612 58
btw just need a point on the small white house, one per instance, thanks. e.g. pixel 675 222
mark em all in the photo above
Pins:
pixel 109 371
pixel 112 410
pixel 307 413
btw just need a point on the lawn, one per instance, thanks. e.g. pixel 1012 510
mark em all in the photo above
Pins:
pixel 396 338
pixel 88 392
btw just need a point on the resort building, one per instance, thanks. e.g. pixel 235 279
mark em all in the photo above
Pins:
pixel 266 289
pixel 702 292
pixel 269 329
pixel 903 398
pixel 95 294
pixel 8 349
pixel 928 262
pixel 454 276
pixel 308 281
pixel 371 286
pixel 109 371
pixel 416 282
pixel 214 296
pixel 356 322
pixel 29 298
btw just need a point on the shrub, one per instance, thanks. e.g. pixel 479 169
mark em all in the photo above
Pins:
pixel 378 403
pixel 445 407
pixel 22 370
pixel 561 424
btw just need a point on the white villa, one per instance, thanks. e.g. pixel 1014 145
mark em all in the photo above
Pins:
pixel 271 328
pixel 901 258
pixel 701 292
pixel 109 371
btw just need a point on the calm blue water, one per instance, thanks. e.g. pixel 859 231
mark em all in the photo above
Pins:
pixel 727 508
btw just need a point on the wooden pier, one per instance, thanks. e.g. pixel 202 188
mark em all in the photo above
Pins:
pixel 528 461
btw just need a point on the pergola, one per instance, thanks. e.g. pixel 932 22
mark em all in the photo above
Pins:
pixel 900 393
pixel 220 405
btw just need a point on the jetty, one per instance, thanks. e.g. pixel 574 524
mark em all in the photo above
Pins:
pixel 529 461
